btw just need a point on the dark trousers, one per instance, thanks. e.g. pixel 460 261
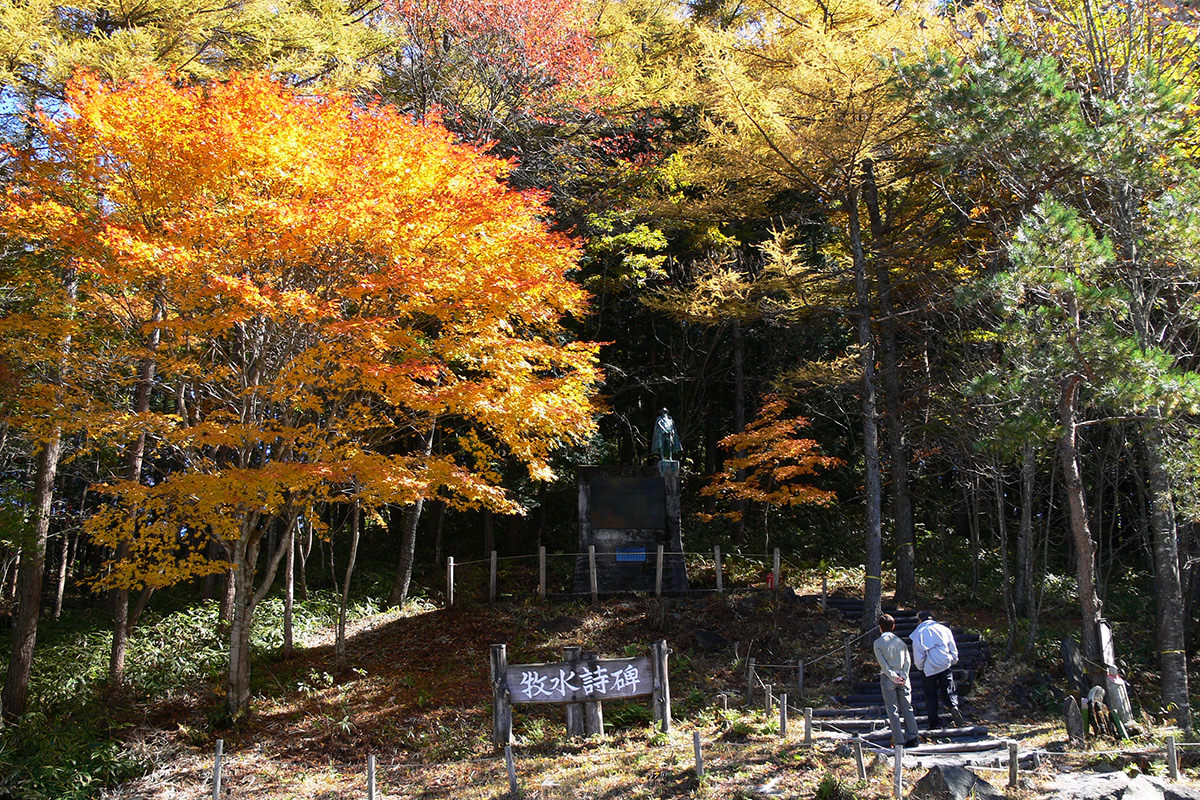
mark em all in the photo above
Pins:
pixel 940 686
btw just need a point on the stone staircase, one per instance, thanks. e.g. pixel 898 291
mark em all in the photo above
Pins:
pixel 860 711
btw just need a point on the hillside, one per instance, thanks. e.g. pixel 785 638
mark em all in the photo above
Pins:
pixel 416 696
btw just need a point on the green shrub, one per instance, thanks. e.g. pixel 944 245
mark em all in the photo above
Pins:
pixel 832 787
pixel 69 757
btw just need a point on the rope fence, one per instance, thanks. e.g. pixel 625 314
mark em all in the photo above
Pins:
pixel 1169 753
pixel 769 565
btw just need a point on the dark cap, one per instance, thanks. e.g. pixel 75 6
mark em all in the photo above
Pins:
pixel 924 615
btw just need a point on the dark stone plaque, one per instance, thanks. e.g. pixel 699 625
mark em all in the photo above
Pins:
pixel 625 515
pixel 628 501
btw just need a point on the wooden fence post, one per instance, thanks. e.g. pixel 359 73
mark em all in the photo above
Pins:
pixel 858 758
pixel 750 679
pixel 512 771
pixel 899 772
pixel 699 755
pixel 824 593
pixel 1014 763
pixel 783 715
pixel 1172 759
pixel 808 727
pixel 593 711
pixel 450 581
pixel 542 573
pixel 492 579
pixel 592 577
pixel 717 561
pixel 776 570
pixel 370 777
pixel 575 724
pixel 662 686
pixel 658 573
pixel 501 705
pixel 217 769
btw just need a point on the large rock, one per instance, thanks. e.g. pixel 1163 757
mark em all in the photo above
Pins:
pixel 1144 787
pixel 1091 786
pixel 1118 786
pixel 953 783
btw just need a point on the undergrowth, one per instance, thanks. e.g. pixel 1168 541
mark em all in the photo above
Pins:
pixel 72 745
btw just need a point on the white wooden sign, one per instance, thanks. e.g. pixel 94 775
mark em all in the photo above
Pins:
pixel 580 681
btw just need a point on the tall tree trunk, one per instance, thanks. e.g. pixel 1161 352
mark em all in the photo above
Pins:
pixel 1008 585
pixel 289 598
pixel 1081 534
pixel 408 538
pixel 135 455
pixel 63 562
pixel 243 555
pixel 31 570
pixel 228 596
pixel 339 645
pixel 29 581
pixel 1168 588
pixel 906 576
pixel 739 417
pixel 1023 595
pixel 237 688
pixel 872 583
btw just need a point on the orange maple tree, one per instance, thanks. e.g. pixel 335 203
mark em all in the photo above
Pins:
pixel 769 465
pixel 486 63
pixel 325 285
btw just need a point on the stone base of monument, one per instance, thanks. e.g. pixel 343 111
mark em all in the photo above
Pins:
pixel 626 514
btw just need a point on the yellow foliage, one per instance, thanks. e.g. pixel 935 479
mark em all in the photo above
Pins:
pixel 324 284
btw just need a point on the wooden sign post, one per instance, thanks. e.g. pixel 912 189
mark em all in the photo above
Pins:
pixel 581 682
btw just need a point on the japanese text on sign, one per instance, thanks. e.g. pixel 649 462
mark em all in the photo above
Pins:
pixel 579 681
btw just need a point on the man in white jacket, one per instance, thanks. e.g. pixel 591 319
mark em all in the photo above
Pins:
pixel 935 654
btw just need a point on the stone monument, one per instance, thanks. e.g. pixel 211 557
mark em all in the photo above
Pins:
pixel 626 513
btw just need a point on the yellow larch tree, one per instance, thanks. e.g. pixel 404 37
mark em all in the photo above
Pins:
pixel 802 101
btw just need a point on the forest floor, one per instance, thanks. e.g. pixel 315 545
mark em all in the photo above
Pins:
pixel 415 694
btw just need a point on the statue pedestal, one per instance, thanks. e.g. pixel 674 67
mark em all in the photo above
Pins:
pixel 626 513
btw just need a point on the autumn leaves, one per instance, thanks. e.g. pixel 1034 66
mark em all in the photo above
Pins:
pixel 332 300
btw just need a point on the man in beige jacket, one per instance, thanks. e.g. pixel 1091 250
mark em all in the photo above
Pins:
pixel 894 662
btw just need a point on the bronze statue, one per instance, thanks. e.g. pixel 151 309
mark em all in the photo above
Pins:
pixel 665 441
